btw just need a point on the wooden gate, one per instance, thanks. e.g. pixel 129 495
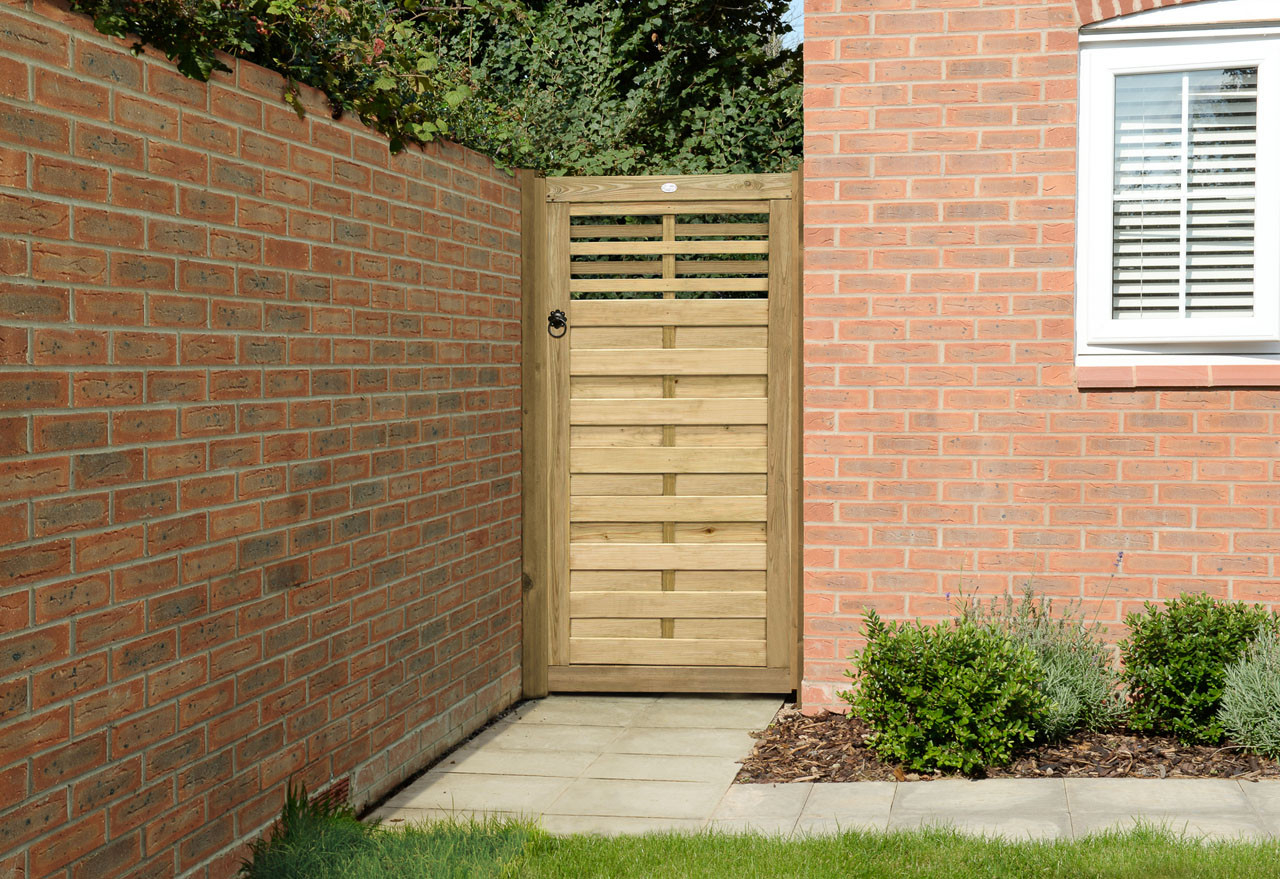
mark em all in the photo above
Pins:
pixel 661 433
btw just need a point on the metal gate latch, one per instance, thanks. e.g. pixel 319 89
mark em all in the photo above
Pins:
pixel 557 320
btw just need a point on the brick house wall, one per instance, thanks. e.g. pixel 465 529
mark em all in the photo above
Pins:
pixel 950 445
pixel 259 454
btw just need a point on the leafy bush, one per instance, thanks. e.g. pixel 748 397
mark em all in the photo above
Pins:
pixel 1250 711
pixel 1176 661
pixel 602 87
pixel 367 56
pixel 561 86
pixel 1077 675
pixel 955 696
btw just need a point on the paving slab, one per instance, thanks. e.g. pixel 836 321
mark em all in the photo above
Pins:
pixel 763 801
pixel 734 744
pixel 518 736
pixel 688 712
pixel 503 761
pixel 461 791
pixel 1010 808
pixel 1155 795
pixel 595 825
pixel 663 767
pixel 999 795
pixel 1264 797
pixel 1231 826
pixel 834 808
pixel 630 798
pixel 755 826
pixel 641 764
pixel 584 711
pixel 1198 807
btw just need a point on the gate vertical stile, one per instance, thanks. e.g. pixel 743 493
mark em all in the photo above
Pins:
pixel 642 576
pixel 535 498
pixel 558 403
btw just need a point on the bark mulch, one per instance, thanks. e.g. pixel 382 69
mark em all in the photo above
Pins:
pixel 832 747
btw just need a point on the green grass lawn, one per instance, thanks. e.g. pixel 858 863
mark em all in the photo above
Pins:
pixel 340 848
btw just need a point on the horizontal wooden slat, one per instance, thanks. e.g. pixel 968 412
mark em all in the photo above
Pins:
pixel 667 557
pixel 669 361
pixel 739 386
pixel 654 230
pixel 683 188
pixel 683 267
pixel 667 460
pixel 707 337
pixel 640 337
pixel 651 581
pixel 739 629
pixel 696 435
pixel 726 410
pixel 616 230
pixel 621 248
pixel 619 532
pixel 710 605
pixel 719 532
pixel 666 651
pixel 652 532
pixel 667 509
pixel 650 208
pixel 667 312
pixel 714 484
pixel 629 484
pixel 624 387
pixel 667 679
pixel 668 285
pixel 598 627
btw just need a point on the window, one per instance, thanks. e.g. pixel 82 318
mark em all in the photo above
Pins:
pixel 1178 239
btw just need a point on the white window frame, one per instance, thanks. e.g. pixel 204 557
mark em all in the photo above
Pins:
pixel 1111 51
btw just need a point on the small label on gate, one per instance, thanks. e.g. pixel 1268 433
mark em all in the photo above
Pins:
pixel 669 187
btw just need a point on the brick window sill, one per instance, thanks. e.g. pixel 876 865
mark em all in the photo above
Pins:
pixel 1237 375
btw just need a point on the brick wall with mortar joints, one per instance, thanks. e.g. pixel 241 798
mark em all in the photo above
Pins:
pixel 259 454
pixel 948 447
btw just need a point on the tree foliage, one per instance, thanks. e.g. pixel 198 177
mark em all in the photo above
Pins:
pixel 367 56
pixel 562 86
pixel 598 86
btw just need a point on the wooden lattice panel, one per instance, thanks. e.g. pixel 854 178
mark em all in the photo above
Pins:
pixel 668 440
pixel 661 440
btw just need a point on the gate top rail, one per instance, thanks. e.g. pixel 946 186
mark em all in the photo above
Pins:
pixel 675 188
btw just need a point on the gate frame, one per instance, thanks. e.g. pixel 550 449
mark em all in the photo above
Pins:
pixel 544 555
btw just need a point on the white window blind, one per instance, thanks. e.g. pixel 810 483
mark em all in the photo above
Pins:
pixel 1184 205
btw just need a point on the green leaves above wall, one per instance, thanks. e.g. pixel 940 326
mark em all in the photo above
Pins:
pixel 562 86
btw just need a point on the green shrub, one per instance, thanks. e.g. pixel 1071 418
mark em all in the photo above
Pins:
pixel 561 86
pixel 1176 660
pixel 955 696
pixel 1077 675
pixel 1250 710
pixel 367 56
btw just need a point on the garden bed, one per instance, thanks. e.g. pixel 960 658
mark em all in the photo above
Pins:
pixel 832 747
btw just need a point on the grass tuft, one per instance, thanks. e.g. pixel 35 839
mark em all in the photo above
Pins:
pixel 326 841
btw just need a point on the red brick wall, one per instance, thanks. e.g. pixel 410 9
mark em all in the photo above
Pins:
pixel 259 454
pixel 947 444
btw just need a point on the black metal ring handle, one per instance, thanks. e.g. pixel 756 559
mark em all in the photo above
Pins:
pixel 557 320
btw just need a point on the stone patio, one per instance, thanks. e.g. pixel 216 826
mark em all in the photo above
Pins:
pixel 623 764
